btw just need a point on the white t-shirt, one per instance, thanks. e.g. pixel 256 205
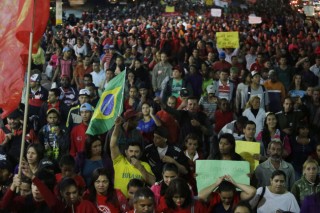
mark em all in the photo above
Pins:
pixel 98 78
pixel 271 202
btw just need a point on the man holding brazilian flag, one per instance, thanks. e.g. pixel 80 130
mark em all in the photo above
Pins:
pixel 109 107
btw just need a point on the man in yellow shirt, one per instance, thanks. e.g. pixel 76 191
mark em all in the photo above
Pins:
pixel 129 166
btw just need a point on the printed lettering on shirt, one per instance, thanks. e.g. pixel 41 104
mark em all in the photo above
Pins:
pixel 131 176
pixel 104 209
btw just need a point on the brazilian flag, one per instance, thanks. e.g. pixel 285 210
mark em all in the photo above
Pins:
pixel 109 107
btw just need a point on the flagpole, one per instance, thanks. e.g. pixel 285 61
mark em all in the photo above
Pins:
pixel 122 93
pixel 26 105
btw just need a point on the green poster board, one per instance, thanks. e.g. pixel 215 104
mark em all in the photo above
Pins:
pixel 208 171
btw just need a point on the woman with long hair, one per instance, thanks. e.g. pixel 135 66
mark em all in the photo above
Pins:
pixel 297 87
pixel 169 172
pixel 255 113
pixel 148 123
pixel 179 199
pixel 92 158
pixel 227 148
pixel 103 194
pixel 131 81
pixel 271 131
pixel 309 183
pixel 34 154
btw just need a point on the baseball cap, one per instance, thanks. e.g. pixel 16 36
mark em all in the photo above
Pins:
pixel 254 72
pixel 210 89
pixel 86 107
pixel 35 78
pixel 46 164
pixel 84 92
pixel 222 55
pixel 53 110
pixel 66 49
pixel 106 47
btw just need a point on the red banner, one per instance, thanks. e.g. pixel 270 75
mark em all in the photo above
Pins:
pixel 15 27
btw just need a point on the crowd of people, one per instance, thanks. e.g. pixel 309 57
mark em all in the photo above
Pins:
pixel 184 100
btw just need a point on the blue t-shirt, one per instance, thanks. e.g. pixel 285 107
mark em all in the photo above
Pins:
pixel 146 126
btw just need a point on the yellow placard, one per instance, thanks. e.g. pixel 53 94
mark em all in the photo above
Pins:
pixel 227 39
pixel 246 150
pixel 169 9
pixel 209 2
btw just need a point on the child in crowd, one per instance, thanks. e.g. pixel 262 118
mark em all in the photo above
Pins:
pixel 67 166
pixel 54 137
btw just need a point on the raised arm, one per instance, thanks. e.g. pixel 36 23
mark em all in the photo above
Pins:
pixel 247 192
pixel 206 192
pixel 114 149
pixel 155 118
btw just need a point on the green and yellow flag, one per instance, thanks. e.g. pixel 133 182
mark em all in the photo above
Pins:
pixel 109 107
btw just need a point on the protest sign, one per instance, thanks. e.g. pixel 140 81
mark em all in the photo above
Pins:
pixel 254 20
pixel 227 39
pixel 208 171
pixel 216 12
pixel 246 150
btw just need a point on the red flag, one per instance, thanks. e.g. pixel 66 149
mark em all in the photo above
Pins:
pixel 15 27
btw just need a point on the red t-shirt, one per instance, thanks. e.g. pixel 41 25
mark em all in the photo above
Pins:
pixel 197 206
pixel 104 206
pixel 78 139
pixel 222 118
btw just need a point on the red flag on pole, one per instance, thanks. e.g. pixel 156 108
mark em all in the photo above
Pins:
pixel 15 28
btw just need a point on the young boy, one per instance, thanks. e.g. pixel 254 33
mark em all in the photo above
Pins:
pixel 249 131
pixel 132 187
pixel 54 136
pixel 67 166
pixel 143 201
pixel 25 186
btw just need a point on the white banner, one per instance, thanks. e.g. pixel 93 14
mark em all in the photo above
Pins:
pixel 308 10
pixel 254 20
pixel 216 12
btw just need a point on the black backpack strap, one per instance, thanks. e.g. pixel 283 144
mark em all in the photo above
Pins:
pixel 261 196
